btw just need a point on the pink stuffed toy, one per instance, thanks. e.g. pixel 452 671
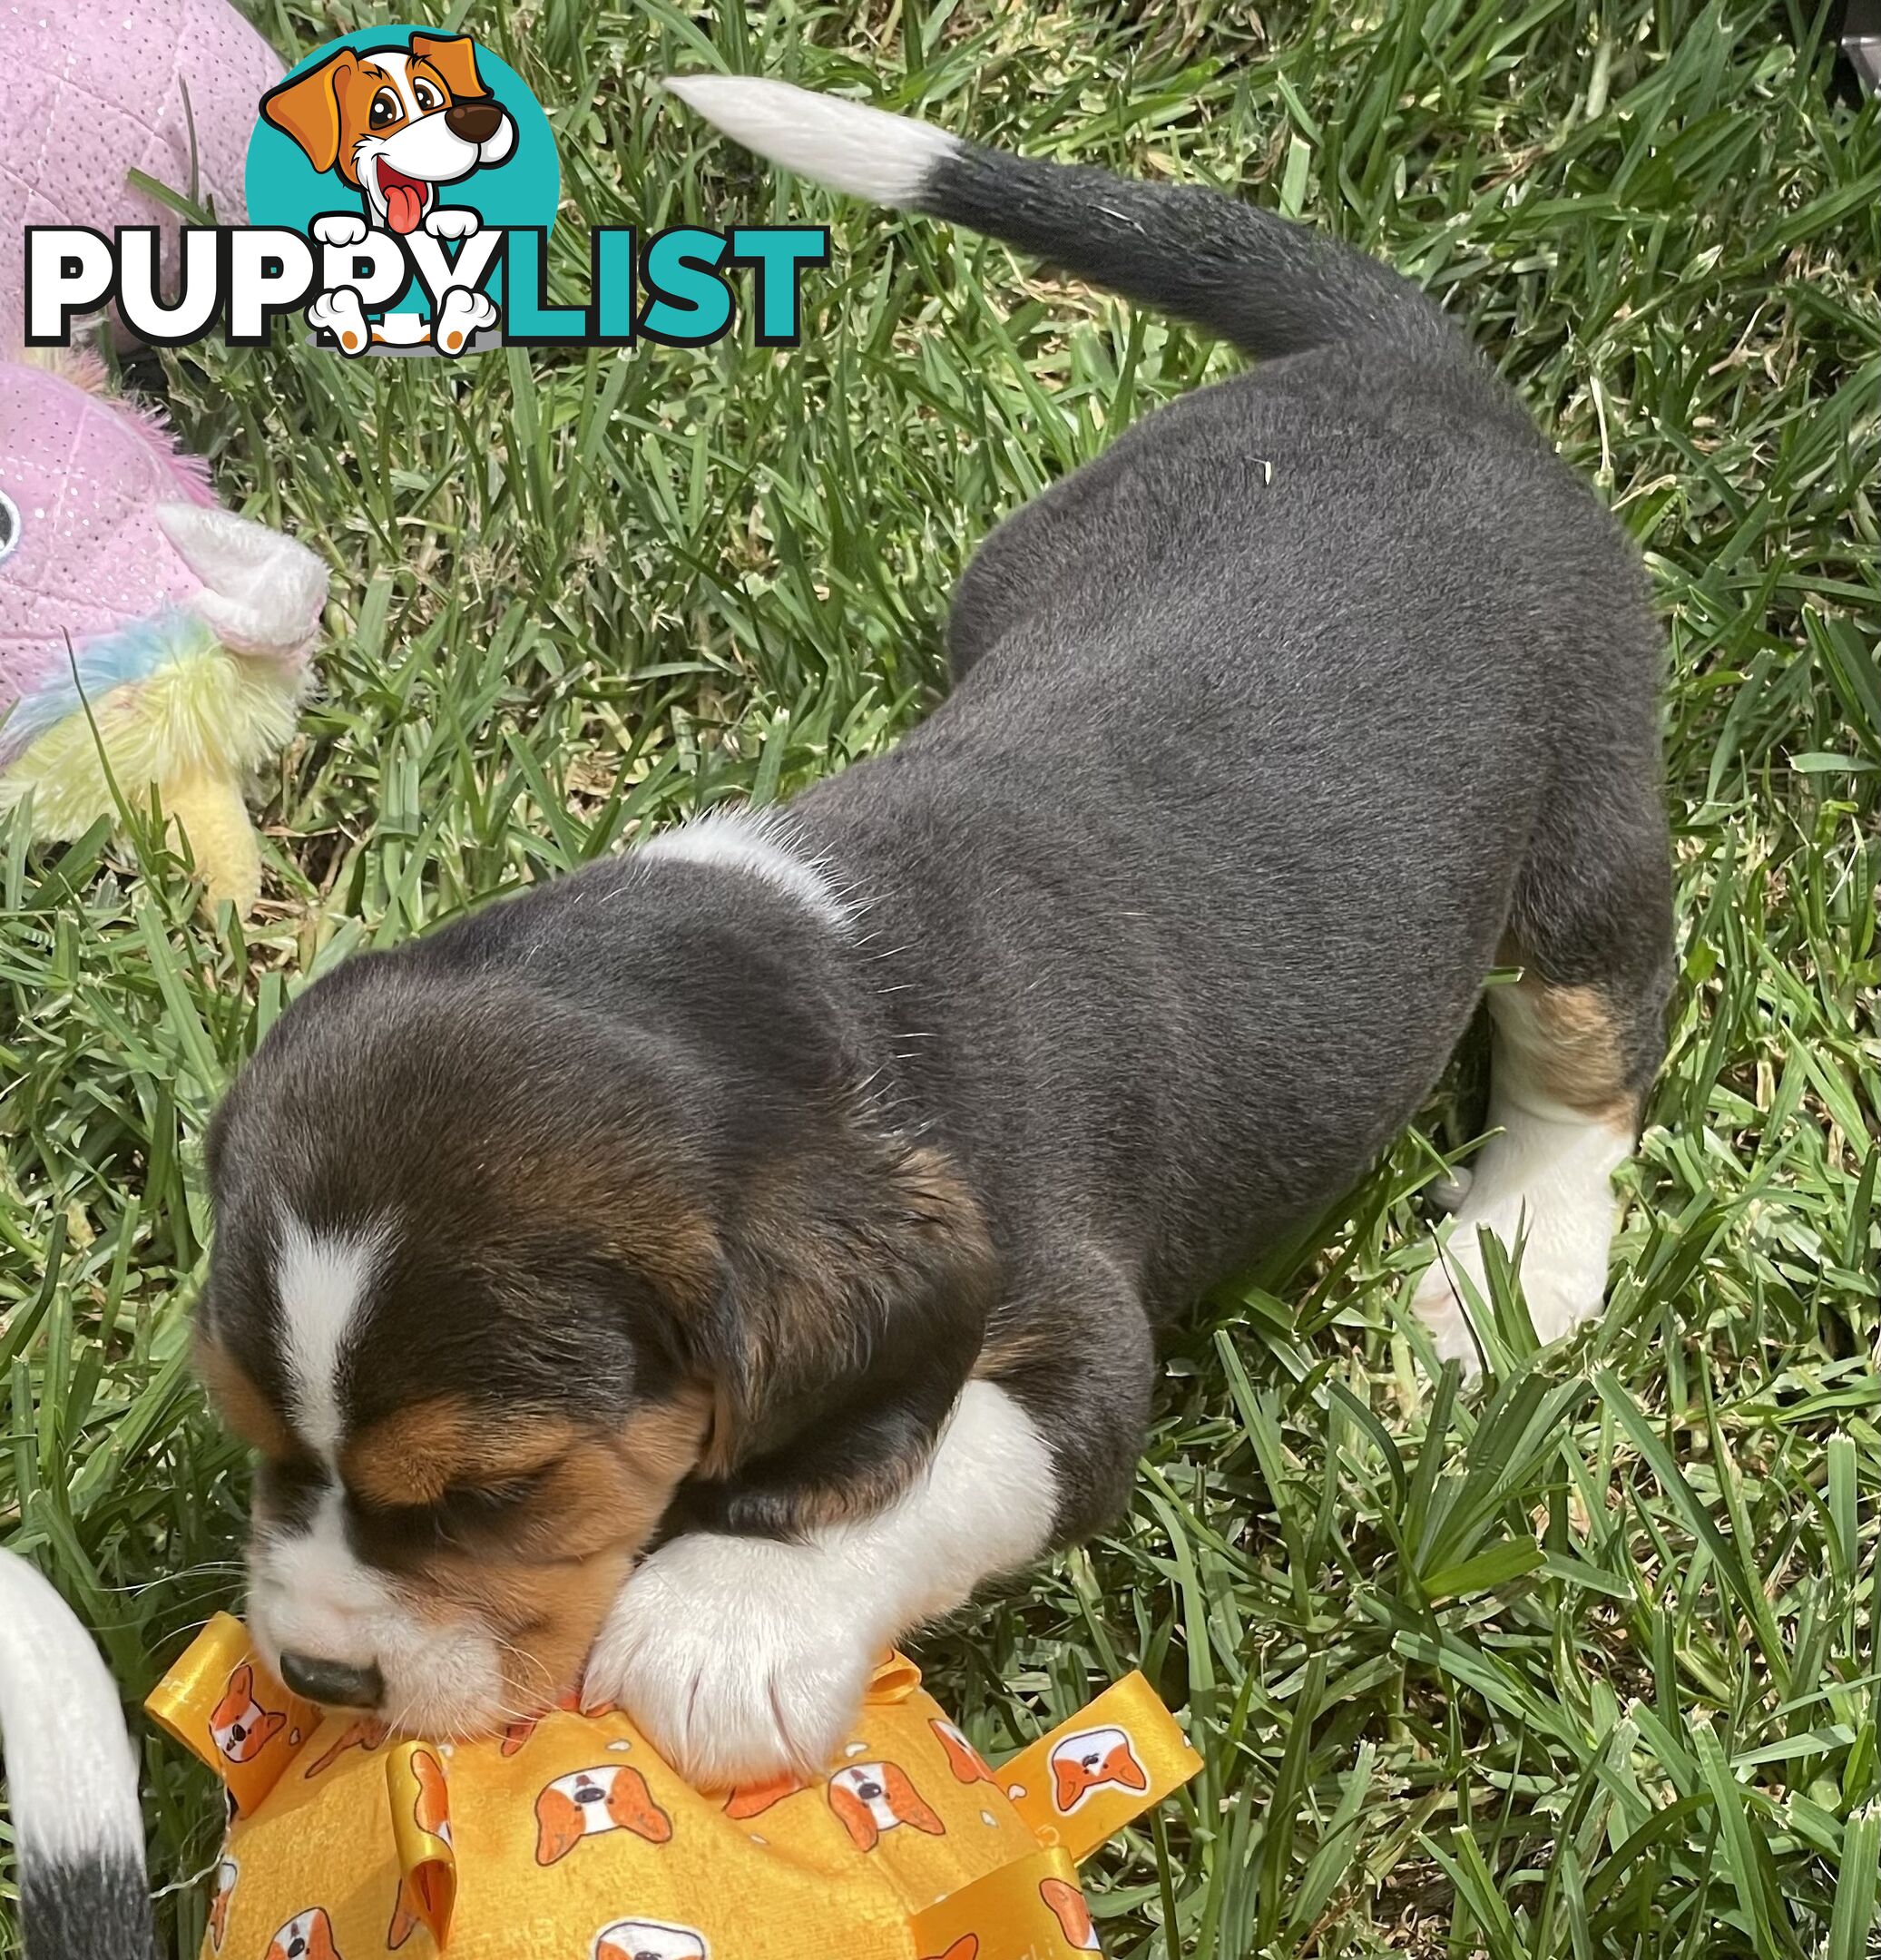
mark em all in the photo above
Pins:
pixel 90 93
pixel 148 638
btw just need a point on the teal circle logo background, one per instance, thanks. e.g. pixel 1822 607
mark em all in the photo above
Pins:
pixel 284 189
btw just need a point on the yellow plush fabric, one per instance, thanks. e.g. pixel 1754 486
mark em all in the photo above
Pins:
pixel 195 730
pixel 568 1837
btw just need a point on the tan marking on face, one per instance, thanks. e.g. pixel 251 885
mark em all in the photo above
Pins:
pixel 240 1403
pixel 416 1455
pixel 545 1582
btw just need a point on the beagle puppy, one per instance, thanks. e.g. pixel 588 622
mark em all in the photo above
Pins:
pixel 688 1276
pixel 393 123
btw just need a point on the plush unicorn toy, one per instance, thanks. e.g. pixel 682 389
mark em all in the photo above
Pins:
pixel 149 640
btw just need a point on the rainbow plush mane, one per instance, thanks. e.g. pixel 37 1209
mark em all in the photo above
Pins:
pixel 149 640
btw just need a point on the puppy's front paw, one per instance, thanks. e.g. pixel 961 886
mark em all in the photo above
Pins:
pixel 743 1659
pixel 459 318
pixel 340 315
pixel 452 221
pixel 338 227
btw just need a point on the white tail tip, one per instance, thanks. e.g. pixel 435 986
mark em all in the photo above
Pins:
pixel 867 153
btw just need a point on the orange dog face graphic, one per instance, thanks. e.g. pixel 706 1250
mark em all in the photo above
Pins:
pixel 241 1725
pixel 649 1939
pixel 589 1803
pixel 359 1735
pixel 1073 1916
pixel 1091 1760
pixel 394 123
pixel 433 1807
pixel 870 1799
pixel 755 1799
pixel 963 1758
pixel 307 1935
pixel 227 1873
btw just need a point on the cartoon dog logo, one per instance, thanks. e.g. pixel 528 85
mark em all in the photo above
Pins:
pixel 1090 1760
pixel 227 1873
pixel 242 1728
pixel 1073 1916
pixel 307 1935
pixel 394 123
pixel 963 1758
pixel 588 1803
pixel 647 1939
pixel 870 1799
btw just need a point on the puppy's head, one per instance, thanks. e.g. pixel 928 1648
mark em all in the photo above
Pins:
pixel 395 122
pixel 495 1275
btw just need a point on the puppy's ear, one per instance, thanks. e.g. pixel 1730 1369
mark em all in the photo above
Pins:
pixel 455 58
pixel 307 108
pixel 857 1289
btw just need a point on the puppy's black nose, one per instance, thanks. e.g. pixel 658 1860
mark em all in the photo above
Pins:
pixel 332 1682
pixel 475 121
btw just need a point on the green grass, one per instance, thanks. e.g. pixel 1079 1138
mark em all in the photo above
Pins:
pixel 1583 1667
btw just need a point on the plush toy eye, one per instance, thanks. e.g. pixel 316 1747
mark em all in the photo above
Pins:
pixel 9 527
pixel 426 97
pixel 385 110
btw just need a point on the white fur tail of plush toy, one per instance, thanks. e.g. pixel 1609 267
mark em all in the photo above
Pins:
pixel 70 1782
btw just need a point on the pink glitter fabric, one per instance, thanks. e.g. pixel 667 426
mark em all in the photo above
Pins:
pixel 86 474
pixel 92 91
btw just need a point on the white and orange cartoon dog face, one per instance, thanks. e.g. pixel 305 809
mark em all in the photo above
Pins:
pixel 1090 1760
pixel 394 123
pixel 307 1935
pixel 647 1939
pixel 589 1803
pixel 242 1728
pixel 870 1799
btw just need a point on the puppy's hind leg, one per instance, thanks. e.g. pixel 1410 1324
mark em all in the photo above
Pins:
pixel 1576 1043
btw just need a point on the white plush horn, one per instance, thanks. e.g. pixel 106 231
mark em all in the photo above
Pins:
pixel 262 592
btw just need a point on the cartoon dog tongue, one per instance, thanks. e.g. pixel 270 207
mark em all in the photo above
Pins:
pixel 403 196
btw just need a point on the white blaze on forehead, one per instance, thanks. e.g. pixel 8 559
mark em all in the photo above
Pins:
pixel 396 65
pixel 324 1281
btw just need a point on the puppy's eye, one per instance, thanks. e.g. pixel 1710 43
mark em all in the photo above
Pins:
pixel 426 97
pixel 288 1488
pixel 385 110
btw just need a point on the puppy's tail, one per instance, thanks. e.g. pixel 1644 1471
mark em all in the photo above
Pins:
pixel 70 1782
pixel 1269 287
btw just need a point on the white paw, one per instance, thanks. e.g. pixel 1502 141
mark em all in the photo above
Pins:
pixel 1563 1270
pixel 340 313
pixel 338 227
pixel 459 317
pixel 741 1658
pixel 452 222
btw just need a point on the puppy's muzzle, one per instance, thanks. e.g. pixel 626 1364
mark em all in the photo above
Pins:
pixel 474 121
pixel 333 1683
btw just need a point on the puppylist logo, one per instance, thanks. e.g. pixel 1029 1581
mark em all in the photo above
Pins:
pixel 401 186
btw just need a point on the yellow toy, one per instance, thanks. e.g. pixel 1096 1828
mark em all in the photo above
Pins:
pixel 568 1837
